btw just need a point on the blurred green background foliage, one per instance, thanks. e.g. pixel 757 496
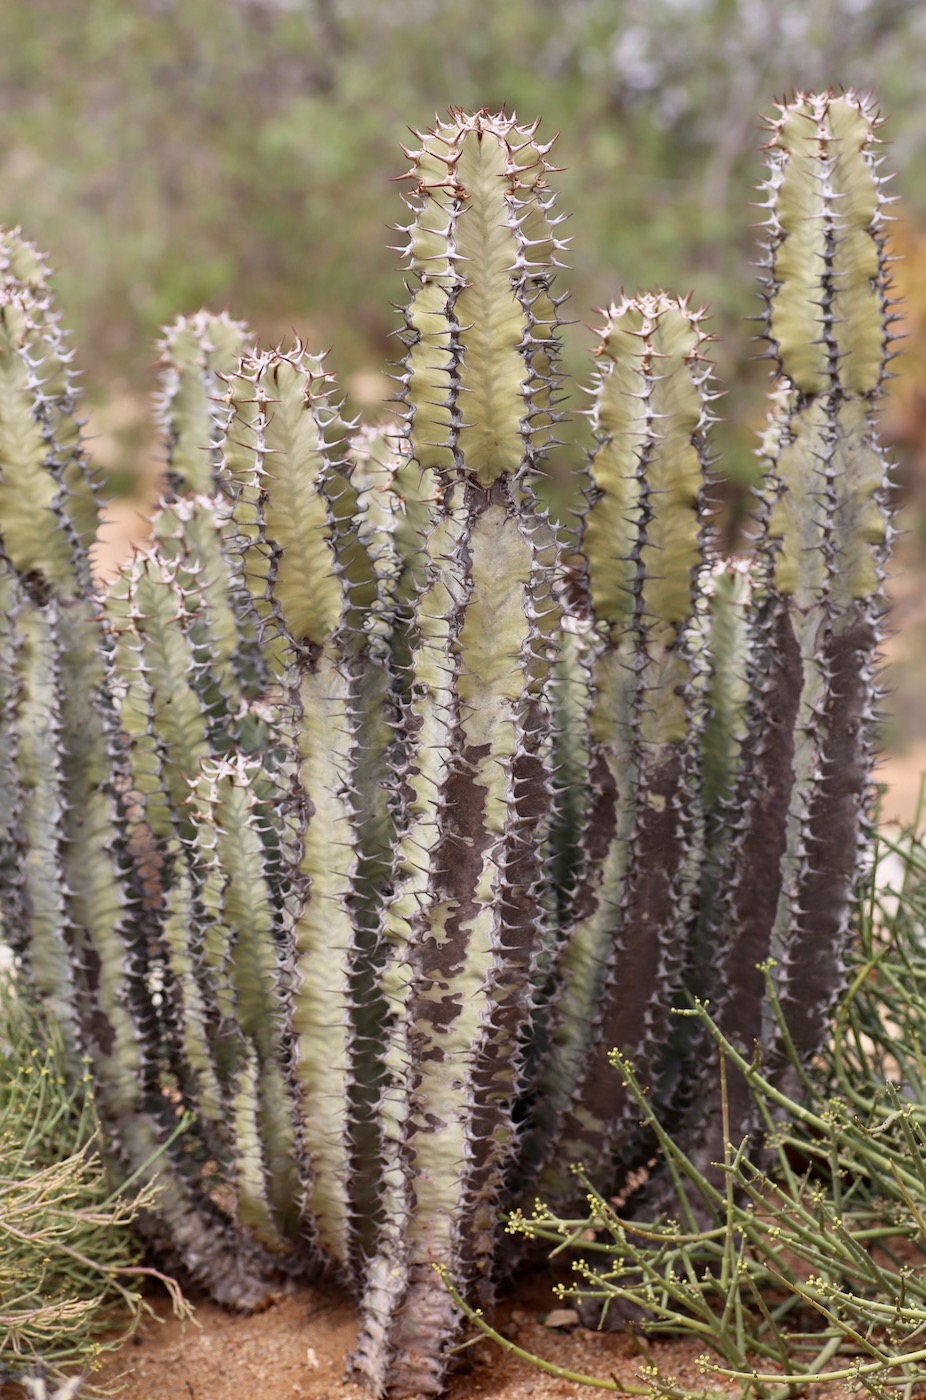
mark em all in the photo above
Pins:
pixel 173 153
pixel 177 153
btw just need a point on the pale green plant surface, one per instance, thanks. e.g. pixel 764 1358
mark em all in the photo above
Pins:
pixel 287 845
pixel 71 1279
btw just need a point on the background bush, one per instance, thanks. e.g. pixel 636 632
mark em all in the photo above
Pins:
pixel 171 153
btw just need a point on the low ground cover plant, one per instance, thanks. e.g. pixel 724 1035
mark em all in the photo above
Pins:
pixel 72 1278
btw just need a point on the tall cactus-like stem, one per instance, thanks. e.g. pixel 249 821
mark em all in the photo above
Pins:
pixel 464 922
pixel 827 527
pixel 77 902
pixel 192 525
pixel 621 963
pixel 44 491
pixel 212 910
pixel 802 796
pixel 315 583
pixel 238 922
pixel 198 353
pixel 25 278
pixel 728 653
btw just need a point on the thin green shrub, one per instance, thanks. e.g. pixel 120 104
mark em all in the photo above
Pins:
pixel 70 1273
pixel 807 1261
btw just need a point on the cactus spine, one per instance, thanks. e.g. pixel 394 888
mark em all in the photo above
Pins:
pixel 462 923
pixel 620 965
pixel 364 813
pixel 796 813
pixel 89 957
pixel 824 174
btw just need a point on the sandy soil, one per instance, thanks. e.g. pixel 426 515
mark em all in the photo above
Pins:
pixel 299 1348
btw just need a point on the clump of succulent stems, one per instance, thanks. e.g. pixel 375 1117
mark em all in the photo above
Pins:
pixel 807 1266
pixel 370 806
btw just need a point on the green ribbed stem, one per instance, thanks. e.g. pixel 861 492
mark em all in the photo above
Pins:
pixel 315 584
pixel 802 797
pixel 463 924
pixel 198 353
pixel 620 966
